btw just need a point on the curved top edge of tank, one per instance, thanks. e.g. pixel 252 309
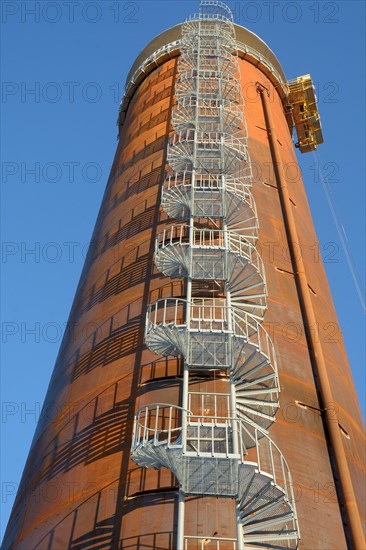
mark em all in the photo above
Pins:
pixel 243 35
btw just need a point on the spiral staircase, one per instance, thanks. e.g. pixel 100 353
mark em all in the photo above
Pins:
pixel 216 444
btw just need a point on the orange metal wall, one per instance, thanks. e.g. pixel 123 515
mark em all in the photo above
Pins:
pixel 80 489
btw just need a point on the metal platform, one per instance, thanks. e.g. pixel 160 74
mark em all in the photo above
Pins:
pixel 303 103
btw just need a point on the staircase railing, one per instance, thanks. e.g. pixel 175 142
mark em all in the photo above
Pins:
pixel 161 424
pixel 218 433
pixel 209 315
pixel 209 543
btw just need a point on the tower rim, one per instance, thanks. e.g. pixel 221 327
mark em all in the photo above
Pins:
pixel 167 45
pixel 243 36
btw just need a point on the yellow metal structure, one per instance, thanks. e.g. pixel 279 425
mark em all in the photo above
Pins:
pixel 302 99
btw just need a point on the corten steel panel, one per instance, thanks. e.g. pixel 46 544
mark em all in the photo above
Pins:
pixel 80 489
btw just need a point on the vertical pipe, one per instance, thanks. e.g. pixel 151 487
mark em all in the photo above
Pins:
pixel 239 530
pixel 228 305
pixel 234 419
pixel 184 405
pixel 331 421
pixel 181 504
pixel 180 528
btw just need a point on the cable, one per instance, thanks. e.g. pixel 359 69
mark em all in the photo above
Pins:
pixel 341 233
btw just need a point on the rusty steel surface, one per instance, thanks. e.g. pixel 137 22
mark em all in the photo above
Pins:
pixel 80 488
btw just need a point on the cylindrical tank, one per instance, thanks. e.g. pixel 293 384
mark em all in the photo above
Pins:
pixel 80 488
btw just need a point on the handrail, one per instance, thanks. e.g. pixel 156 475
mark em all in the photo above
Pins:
pixel 226 25
pixel 210 238
pixel 186 105
pixel 225 40
pixel 202 102
pixel 191 49
pixel 157 313
pixel 203 401
pixel 269 458
pixel 142 429
pixel 211 17
pixel 208 542
pixel 173 47
pixel 208 315
pixel 226 67
pixel 204 4
pixel 208 137
pixel 210 181
pixel 207 74
pixel 216 440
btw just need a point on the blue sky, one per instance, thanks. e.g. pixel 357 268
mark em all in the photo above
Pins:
pixel 63 71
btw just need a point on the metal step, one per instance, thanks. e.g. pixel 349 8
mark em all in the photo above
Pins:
pixel 254 373
pixel 166 341
pixel 176 197
pixel 267 514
